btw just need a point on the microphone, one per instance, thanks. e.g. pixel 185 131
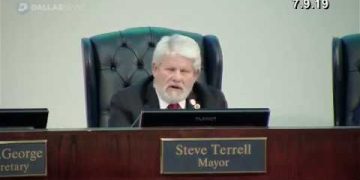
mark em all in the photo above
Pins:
pixel 136 121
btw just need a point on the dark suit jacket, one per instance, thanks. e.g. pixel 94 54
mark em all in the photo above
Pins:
pixel 126 104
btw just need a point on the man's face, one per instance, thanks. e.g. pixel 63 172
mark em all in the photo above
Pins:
pixel 174 78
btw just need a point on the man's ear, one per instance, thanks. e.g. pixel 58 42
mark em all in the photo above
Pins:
pixel 154 67
pixel 197 74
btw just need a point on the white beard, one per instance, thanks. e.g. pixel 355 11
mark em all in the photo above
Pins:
pixel 172 97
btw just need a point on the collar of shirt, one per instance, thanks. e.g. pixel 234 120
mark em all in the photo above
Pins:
pixel 163 104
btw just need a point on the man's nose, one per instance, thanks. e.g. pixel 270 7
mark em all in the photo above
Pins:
pixel 177 76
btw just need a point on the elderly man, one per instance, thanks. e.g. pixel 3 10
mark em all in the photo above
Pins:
pixel 176 66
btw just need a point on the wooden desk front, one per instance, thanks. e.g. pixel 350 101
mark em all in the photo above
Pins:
pixel 292 154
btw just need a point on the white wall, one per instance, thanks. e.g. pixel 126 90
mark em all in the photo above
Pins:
pixel 274 56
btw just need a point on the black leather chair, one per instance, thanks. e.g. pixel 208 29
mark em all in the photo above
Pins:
pixel 116 60
pixel 346 80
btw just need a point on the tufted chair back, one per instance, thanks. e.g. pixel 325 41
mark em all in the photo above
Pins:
pixel 346 80
pixel 116 60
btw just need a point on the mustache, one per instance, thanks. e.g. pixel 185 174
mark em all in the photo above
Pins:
pixel 175 86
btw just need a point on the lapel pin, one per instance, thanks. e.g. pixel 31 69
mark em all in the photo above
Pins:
pixel 194 104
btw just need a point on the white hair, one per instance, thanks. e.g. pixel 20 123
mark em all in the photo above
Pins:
pixel 178 45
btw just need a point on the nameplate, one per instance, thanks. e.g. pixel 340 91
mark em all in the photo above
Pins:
pixel 23 158
pixel 213 155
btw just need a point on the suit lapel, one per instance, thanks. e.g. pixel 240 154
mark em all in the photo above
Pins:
pixel 203 98
pixel 191 96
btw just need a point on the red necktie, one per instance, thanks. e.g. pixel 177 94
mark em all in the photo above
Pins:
pixel 174 106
